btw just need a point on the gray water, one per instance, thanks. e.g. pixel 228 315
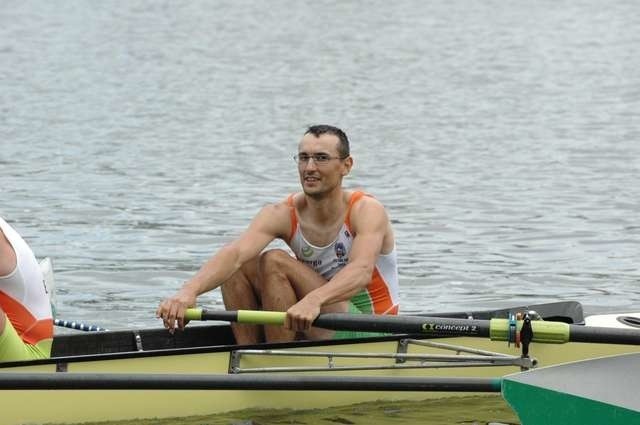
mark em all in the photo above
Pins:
pixel 137 137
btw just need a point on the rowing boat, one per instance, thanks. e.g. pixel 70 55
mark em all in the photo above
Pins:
pixel 596 391
pixel 116 369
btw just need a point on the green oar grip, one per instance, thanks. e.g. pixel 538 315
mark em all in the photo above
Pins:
pixel 251 317
pixel 248 317
pixel 193 314
pixel 545 332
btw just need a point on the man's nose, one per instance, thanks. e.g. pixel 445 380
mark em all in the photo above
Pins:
pixel 309 162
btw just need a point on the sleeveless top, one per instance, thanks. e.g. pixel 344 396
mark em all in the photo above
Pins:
pixel 23 295
pixel 381 294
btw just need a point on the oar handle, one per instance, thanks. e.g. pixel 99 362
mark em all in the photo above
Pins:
pixel 251 317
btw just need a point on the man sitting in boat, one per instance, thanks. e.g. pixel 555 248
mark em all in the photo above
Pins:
pixel 344 246
pixel 26 322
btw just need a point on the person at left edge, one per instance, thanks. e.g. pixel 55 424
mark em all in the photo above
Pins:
pixel 26 322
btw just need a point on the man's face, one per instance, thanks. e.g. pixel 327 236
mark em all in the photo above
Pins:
pixel 319 164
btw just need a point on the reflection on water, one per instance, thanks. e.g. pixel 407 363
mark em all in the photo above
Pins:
pixel 502 139
pixel 476 410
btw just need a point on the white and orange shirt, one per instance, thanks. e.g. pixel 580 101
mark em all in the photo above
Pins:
pixel 381 294
pixel 23 295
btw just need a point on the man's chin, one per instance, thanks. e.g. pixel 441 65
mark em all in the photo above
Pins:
pixel 312 192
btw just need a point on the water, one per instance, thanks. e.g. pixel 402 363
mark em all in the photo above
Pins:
pixel 467 410
pixel 138 137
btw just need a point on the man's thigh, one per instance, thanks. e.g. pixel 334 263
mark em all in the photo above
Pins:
pixel 303 279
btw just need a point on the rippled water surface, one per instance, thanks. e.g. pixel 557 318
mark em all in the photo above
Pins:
pixel 468 410
pixel 503 137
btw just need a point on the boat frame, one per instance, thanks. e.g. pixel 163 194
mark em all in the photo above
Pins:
pixel 205 357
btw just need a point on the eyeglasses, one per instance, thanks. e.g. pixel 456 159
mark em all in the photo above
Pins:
pixel 318 158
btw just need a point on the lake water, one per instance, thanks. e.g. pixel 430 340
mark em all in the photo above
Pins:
pixel 138 137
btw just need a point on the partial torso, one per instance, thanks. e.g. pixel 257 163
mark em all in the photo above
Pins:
pixel 23 295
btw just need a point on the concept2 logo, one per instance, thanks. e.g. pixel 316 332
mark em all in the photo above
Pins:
pixel 448 328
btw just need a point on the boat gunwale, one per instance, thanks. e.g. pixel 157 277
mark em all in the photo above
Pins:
pixel 162 352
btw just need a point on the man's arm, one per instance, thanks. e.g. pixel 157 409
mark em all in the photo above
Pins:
pixel 370 224
pixel 7 256
pixel 273 221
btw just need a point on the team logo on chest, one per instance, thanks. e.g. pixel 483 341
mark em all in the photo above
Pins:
pixel 307 251
pixel 341 253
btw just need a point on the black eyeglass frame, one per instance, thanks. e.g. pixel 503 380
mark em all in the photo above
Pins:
pixel 318 158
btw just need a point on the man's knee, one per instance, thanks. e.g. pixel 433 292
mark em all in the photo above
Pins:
pixel 243 278
pixel 241 290
pixel 273 260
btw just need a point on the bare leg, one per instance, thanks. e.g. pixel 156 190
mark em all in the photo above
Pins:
pixel 284 281
pixel 240 292
pixel 277 292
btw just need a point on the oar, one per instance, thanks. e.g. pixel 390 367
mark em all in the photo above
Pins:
pixel 78 326
pixel 496 329
pixel 127 381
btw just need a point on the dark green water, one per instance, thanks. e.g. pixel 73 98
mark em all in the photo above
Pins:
pixel 472 410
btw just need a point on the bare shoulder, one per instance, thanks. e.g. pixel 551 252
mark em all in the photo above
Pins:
pixel 274 218
pixel 369 210
pixel 369 218
pixel 368 204
pixel 276 211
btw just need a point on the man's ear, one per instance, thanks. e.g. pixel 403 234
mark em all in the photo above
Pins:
pixel 348 163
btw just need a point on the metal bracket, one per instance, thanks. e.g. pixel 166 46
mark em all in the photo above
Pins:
pixel 138 339
pixel 463 357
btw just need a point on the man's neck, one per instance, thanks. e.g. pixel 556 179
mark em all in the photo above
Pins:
pixel 327 208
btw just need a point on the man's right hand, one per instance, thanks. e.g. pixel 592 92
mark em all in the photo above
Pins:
pixel 172 309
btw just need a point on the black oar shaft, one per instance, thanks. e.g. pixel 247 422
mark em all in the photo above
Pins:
pixel 362 322
pixel 604 335
pixel 403 324
pixel 496 329
pixel 104 381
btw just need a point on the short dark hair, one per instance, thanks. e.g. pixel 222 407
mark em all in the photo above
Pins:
pixel 343 145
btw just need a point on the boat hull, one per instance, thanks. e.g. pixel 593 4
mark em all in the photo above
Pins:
pixel 596 391
pixel 74 406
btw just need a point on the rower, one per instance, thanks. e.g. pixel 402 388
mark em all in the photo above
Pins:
pixel 343 246
pixel 26 322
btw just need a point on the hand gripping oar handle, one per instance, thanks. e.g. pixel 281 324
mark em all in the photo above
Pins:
pixel 496 329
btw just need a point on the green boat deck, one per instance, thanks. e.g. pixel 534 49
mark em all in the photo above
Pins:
pixel 601 391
